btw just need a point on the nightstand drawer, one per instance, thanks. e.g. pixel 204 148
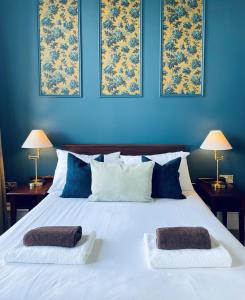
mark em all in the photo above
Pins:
pixel 231 204
pixel 222 204
pixel 25 201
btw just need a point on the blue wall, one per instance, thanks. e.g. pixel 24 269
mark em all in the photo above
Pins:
pixel 150 119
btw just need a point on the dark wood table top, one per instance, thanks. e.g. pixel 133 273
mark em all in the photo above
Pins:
pixel 25 190
pixel 229 192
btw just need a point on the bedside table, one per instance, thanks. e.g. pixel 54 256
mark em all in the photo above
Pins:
pixel 26 198
pixel 223 200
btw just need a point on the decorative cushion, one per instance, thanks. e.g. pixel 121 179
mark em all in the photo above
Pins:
pixel 184 178
pixel 165 180
pixel 119 182
pixel 163 158
pixel 78 178
pixel 61 168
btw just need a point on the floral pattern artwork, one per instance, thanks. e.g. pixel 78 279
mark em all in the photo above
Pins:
pixel 120 25
pixel 182 47
pixel 59 47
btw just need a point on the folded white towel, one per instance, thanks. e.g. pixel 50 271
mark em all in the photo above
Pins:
pixel 52 255
pixel 216 257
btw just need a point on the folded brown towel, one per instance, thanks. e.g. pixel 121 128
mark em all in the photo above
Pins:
pixel 62 236
pixel 173 238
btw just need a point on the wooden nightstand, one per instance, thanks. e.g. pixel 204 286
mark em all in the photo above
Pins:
pixel 224 200
pixel 26 198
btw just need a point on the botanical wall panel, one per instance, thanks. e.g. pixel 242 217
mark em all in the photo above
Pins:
pixel 59 47
pixel 182 47
pixel 120 46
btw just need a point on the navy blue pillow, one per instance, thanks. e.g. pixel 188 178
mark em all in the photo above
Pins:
pixel 165 180
pixel 78 178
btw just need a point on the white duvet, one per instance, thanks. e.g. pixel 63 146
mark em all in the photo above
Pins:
pixel 117 269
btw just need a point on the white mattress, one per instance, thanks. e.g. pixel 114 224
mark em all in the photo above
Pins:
pixel 117 268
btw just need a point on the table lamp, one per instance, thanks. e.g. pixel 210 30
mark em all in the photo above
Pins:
pixel 216 141
pixel 37 139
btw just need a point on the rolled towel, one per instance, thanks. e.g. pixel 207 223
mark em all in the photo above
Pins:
pixel 61 236
pixel 174 238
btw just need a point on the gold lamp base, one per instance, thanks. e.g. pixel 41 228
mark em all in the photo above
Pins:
pixel 35 183
pixel 217 184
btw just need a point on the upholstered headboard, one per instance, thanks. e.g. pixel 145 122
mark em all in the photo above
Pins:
pixel 124 149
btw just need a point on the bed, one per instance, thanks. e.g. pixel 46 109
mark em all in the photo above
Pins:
pixel 117 267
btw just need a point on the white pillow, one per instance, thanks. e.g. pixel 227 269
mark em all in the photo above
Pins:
pixel 130 159
pixel 120 182
pixel 185 179
pixel 161 159
pixel 164 158
pixel 61 168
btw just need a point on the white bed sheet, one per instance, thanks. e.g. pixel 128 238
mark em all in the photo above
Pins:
pixel 117 268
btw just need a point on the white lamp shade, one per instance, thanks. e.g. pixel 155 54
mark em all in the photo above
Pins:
pixel 216 140
pixel 37 139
